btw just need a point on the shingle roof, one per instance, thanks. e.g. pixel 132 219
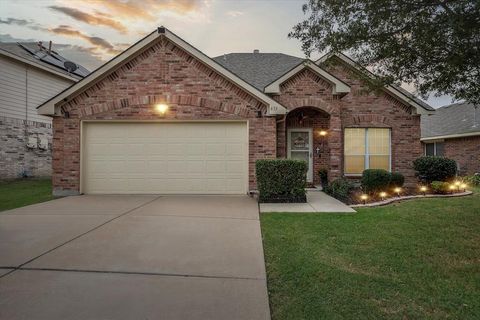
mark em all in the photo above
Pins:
pixel 258 69
pixel 30 51
pixel 457 118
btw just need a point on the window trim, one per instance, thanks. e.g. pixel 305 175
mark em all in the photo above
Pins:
pixel 367 154
pixel 434 148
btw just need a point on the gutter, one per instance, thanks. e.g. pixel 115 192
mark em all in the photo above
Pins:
pixel 452 136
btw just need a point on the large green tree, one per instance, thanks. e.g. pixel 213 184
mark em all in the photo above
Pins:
pixel 433 44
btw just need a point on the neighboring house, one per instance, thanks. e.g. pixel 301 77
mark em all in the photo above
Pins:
pixel 162 117
pixel 454 132
pixel 30 74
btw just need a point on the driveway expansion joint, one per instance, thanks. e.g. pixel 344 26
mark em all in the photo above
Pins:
pixel 85 233
pixel 141 273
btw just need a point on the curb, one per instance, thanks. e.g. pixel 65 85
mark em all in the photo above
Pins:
pixel 392 200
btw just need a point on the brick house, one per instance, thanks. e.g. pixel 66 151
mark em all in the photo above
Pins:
pixel 162 117
pixel 454 132
pixel 30 74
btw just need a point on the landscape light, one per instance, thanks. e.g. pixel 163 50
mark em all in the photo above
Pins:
pixel 452 188
pixel 383 195
pixel 364 197
pixel 397 190
pixel 423 189
pixel 464 187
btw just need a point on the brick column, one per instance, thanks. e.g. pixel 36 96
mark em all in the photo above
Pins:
pixel 336 147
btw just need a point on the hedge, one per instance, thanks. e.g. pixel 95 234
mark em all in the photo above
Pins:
pixel 429 169
pixel 281 180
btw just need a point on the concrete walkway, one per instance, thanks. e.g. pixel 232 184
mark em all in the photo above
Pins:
pixel 317 201
pixel 133 257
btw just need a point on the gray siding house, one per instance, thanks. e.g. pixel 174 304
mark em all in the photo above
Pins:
pixel 30 74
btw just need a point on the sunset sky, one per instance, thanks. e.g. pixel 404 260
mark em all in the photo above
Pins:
pixel 90 31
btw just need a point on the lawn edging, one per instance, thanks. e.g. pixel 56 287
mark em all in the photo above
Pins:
pixel 397 199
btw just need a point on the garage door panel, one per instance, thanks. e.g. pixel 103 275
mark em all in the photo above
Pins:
pixel 180 158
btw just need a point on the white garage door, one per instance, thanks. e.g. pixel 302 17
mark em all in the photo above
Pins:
pixel 165 158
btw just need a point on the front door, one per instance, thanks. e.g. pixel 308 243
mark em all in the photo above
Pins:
pixel 300 148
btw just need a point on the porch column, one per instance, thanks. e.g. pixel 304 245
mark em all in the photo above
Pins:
pixel 336 147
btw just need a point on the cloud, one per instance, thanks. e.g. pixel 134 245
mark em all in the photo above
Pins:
pixel 235 13
pixel 97 18
pixel 23 23
pixel 146 9
pixel 18 22
pixel 100 43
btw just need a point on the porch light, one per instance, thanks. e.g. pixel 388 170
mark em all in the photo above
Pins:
pixel 323 133
pixel 161 108
pixel 464 187
pixel 364 198
pixel 383 195
pixel 423 189
pixel 397 191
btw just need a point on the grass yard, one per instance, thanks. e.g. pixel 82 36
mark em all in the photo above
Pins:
pixel 19 193
pixel 418 259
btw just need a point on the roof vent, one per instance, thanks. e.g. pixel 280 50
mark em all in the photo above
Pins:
pixel 256 51
pixel 70 66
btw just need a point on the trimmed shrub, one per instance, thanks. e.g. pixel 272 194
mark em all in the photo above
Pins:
pixel 396 180
pixel 281 180
pixel 340 189
pixel 429 169
pixel 439 187
pixel 375 180
pixel 323 174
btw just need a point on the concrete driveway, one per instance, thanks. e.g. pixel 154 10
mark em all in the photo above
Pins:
pixel 133 257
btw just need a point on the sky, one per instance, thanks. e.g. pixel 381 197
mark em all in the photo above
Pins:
pixel 91 32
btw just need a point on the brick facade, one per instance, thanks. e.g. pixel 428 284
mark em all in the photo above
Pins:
pixel 466 152
pixel 360 108
pixel 18 160
pixel 165 73
pixel 161 73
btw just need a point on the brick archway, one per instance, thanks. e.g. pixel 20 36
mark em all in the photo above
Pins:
pixel 243 111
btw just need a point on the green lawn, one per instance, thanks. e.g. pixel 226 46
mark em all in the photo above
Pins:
pixel 414 260
pixel 19 193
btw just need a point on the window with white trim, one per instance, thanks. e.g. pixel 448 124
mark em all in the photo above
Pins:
pixel 434 149
pixel 366 148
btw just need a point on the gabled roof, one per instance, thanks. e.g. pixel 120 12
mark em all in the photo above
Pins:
pixel 257 68
pixel 338 86
pixel 455 120
pixel 49 107
pixel 30 53
pixel 402 94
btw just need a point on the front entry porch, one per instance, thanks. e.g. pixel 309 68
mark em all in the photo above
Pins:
pixel 304 135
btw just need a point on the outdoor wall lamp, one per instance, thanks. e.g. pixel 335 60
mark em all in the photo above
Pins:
pixel 161 108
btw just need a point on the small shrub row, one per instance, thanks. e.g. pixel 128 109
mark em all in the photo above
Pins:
pixel 473 180
pixel 281 180
pixel 376 180
pixel 439 187
pixel 339 189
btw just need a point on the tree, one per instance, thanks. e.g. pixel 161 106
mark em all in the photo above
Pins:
pixel 433 44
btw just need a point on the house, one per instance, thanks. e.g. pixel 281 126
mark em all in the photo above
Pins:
pixel 454 132
pixel 29 75
pixel 162 117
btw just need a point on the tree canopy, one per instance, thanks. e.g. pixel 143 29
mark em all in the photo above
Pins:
pixel 433 44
